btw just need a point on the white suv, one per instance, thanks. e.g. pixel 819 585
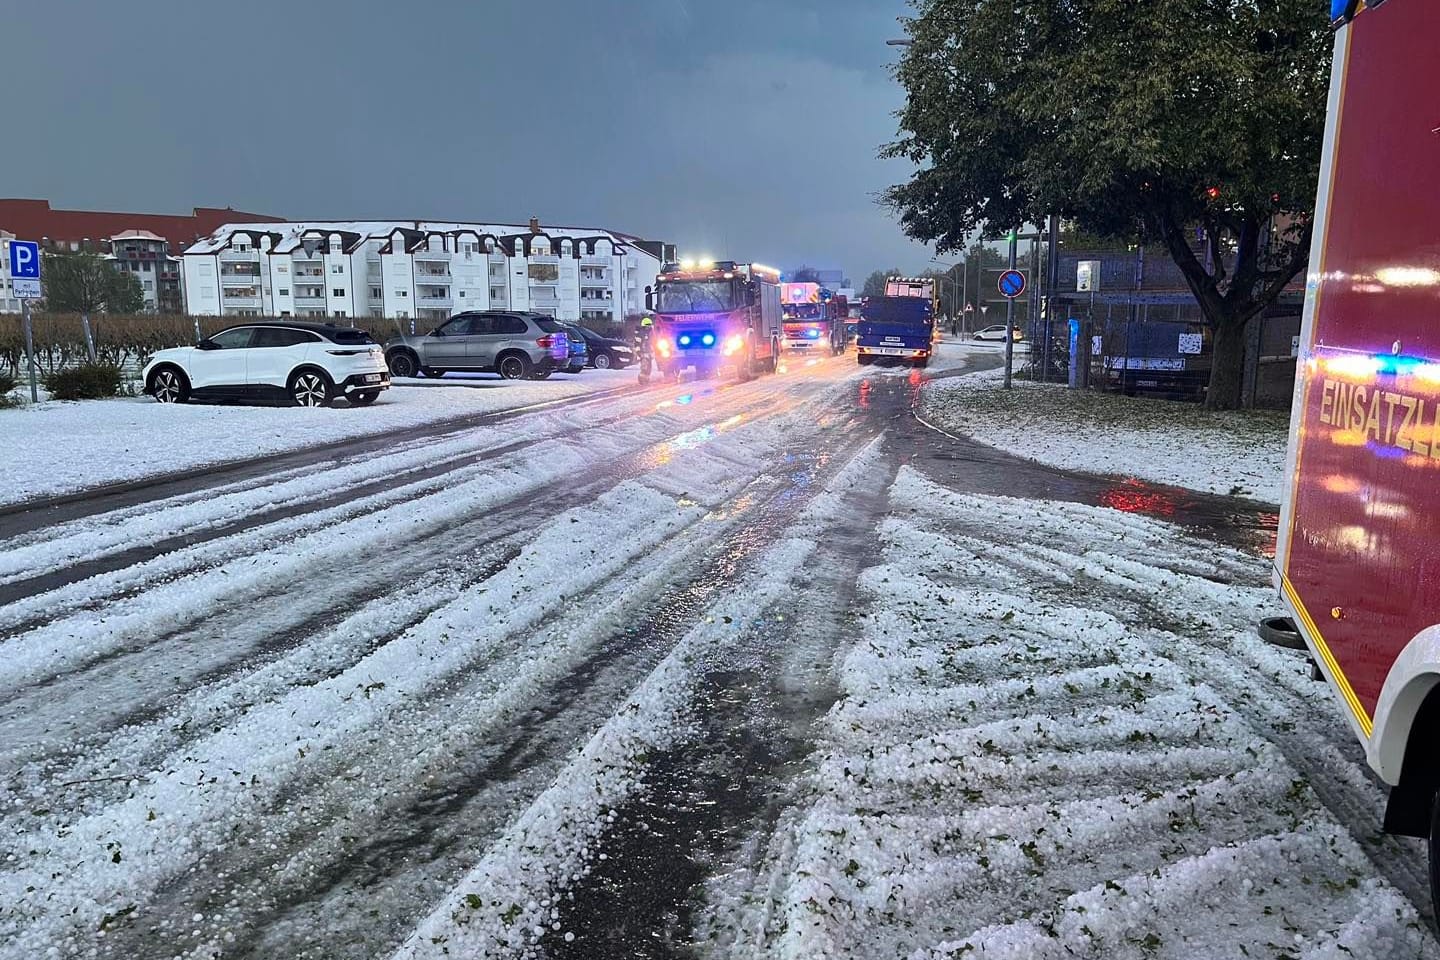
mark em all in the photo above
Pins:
pixel 309 364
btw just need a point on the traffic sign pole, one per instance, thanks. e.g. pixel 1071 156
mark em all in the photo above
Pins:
pixel 1010 321
pixel 25 285
pixel 29 348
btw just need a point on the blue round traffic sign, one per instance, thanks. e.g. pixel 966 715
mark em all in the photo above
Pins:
pixel 1012 283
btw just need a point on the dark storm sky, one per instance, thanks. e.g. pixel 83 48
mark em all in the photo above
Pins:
pixel 746 128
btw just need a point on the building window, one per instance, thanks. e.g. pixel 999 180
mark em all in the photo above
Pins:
pixel 402 293
pixel 462 294
pixel 284 313
pixel 337 268
pixel 282 269
pixel 149 284
pixel 376 293
pixel 337 292
pixel 283 291
pixel 339 313
pixel 544 273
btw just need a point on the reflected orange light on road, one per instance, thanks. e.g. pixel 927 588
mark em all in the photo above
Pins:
pixel 1136 496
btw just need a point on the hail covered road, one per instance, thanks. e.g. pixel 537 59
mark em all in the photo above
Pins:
pixel 711 669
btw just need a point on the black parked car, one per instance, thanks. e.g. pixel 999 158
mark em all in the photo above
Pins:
pixel 607 352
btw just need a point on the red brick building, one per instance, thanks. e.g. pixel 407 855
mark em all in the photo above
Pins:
pixel 92 229
pixel 147 244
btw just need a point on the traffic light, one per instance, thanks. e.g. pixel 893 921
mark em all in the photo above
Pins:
pixel 1213 193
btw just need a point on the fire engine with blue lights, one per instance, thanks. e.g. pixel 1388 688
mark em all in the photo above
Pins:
pixel 1358 554
pixel 714 315
pixel 811 321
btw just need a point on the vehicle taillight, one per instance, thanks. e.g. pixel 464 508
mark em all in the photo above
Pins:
pixel 545 342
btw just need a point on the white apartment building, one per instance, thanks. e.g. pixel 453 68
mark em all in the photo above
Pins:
pixel 417 270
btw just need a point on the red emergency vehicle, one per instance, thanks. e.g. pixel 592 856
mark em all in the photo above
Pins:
pixel 713 315
pixel 1358 558
pixel 811 323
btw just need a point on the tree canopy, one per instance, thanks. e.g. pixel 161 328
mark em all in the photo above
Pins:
pixel 875 283
pixel 1139 121
pixel 86 283
pixel 125 294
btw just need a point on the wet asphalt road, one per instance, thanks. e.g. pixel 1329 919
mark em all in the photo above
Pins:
pixel 269 588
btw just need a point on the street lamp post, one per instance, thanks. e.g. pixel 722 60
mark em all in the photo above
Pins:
pixel 955 318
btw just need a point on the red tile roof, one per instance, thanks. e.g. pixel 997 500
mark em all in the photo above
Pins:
pixel 34 220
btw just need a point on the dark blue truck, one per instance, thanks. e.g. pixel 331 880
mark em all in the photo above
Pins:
pixel 896 328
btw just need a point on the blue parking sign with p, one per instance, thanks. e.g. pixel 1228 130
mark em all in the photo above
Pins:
pixel 24 260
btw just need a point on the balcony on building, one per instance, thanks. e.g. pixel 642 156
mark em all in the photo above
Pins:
pixel 433 297
pixel 231 255
pixel 432 256
pixel 242 298
pixel 432 270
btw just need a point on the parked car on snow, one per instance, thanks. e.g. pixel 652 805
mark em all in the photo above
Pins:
pixel 607 352
pixel 996 331
pixel 308 364
pixel 514 344
pixel 579 351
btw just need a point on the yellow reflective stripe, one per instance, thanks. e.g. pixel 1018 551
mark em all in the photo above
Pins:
pixel 1341 681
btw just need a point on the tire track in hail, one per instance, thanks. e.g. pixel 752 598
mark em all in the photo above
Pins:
pixel 779 503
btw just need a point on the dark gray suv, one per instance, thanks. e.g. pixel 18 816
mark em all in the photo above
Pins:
pixel 514 344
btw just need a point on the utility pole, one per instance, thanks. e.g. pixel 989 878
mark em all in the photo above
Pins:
pixel 964 294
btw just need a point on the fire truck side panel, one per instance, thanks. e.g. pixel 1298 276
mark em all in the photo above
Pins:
pixel 1357 561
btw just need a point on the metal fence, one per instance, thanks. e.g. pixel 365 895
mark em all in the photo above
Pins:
pixel 1157 345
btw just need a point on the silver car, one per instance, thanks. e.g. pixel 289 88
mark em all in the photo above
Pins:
pixel 514 344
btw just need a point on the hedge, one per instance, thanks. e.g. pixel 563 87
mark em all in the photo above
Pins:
pixel 88 381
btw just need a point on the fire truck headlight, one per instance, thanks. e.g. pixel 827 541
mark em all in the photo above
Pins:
pixel 734 345
pixel 662 347
pixel 708 339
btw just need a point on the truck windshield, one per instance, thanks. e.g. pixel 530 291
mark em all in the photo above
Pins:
pixel 802 311
pixel 696 296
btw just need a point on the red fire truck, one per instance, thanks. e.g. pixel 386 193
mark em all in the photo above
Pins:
pixel 1358 559
pixel 811 323
pixel 713 315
